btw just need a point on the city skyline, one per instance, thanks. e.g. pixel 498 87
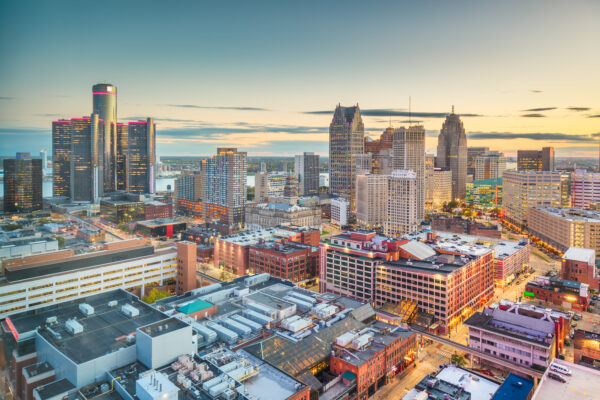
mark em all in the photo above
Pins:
pixel 268 83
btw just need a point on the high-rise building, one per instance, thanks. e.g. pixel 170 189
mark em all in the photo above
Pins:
pixel 561 228
pixel 382 162
pixel 452 153
pixel 472 154
pixel 490 165
pixel 306 168
pixel 402 215
pixel 536 160
pixel 61 158
pixel 86 182
pixel 409 154
pixel 290 190
pixel 486 193
pixel 585 188
pixel 141 158
pixel 105 105
pixel 268 185
pixel 44 157
pixel 340 210
pixel 225 186
pixel 22 184
pixel 429 166
pixel 346 141
pixel 189 191
pixel 385 141
pixel 364 164
pixel 122 153
pixel 523 190
pixel 371 200
pixel 442 187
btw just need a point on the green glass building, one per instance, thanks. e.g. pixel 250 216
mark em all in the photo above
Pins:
pixel 485 193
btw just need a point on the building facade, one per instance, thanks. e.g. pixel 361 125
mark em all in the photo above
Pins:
pixel 61 158
pixel 585 188
pixel 442 187
pixel 409 154
pixel 270 215
pixel 402 204
pixel 189 191
pixel 121 157
pixel 22 184
pixel 340 211
pixel 452 153
pixel 141 156
pixel 86 167
pixel 306 168
pixel 490 165
pixel 536 160
pixel 268 185
pixel 104 102
pixel 292 261
pixel 523 190
pixel 346 141
pixel 570 295
pixel 225 186
pixel 486 193
pixel 580 265
pixel 371 200
pixel 472 154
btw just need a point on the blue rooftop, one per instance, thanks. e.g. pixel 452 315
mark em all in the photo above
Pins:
pixel 514 387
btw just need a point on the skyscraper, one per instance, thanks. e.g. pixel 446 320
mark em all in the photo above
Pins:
pixel 306 169
pixel 452 153
pixel 44 157
pixel 371 200
pixel 122 152
pixel 141 156
pixel 22 184
pixel 346 140
pixel 536 160
pixel 61 158
pixel 409 154
pixel 86 182
pixel 490 165
pixel 225 186
pixel 472 154
pixel 105 105
pixel 402 208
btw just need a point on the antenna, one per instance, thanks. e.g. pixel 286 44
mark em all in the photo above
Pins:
pixel 409 112
pixel 452 108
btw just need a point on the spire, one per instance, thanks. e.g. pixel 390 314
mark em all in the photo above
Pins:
pixel 452 108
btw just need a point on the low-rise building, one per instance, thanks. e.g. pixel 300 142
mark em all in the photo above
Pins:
pixel 486 193
pixel 159 227
pixel 520 339
pixel 292 261
pixel 580 383
pixel 23 247
pixel 340 211
pixel 123 209
pixel 90 235
pixel 580 265
pixel 157 209
pixel 563 293
pixel 465 227
pixel 272 214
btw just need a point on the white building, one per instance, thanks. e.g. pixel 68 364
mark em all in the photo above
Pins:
pixel 340 209
pixel 371 200
pixel 402 213
pixel 585 188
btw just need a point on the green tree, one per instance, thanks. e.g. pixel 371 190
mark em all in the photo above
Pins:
pixel 13 227
pixel 154 295
pixel 458 360
pixel 61 241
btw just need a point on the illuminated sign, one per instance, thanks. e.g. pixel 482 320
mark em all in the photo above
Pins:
pixel 529 294
pixel 12 328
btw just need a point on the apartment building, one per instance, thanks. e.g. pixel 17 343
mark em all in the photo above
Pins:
pixel 570 295
pixel 561 228
pixel 340 211
pixel 520 339
pixel 526 189
pixel 292 261
pixel 580 265
pixel 371 200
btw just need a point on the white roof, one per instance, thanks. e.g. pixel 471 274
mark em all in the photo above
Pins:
pixel 581 385
pixel 418 249
pixel 479 387
pixel 581 254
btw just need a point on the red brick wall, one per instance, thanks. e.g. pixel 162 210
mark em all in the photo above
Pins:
pixel 186 267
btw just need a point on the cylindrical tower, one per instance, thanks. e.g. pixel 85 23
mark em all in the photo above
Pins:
pixel 105 105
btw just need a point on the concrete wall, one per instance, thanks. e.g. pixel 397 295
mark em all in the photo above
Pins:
pixel 157 351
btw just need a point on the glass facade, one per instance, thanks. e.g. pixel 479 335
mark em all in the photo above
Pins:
pixel 486 193
pixel 61 158
pixel 141 159
pixel 22 184
pixel 85 142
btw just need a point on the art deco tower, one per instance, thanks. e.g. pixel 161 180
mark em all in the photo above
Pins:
pixel 452 153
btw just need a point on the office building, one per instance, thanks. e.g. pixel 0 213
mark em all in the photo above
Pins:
pixel 292 261
pixel 385 141
pixel 561 228
pixel 585 188
pixel 121 156
pixel 340 211
pixel 486 193
pixel 490 165
pixel 306 168
pixel 402 204
pixel 44 157
pixel 189 191
pixel 465 227
pixel 61 158
pixel 122 209
pixel 442 187
pixel 452 153
pixel 160 227
pixel 429 166
pixel 521 339
pixel 570 295
pixel 157 209
pixel 536 160
pixel 225 186
pixel 273 214
pixel 381 163
pixel 409 154
pixel 105 105
pixel 22 184
pixel 472 154
pixel 364 163
pixel 523 190
pixel 346 141
pixel 586 347
pixel 86 167
pixel 26 246
pixel 579 265
pixel 268 185
pixel 371 200
pixel 141 156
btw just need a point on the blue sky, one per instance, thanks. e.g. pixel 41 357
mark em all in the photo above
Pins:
pixel 252 74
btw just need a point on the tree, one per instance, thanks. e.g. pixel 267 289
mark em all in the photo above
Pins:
pixel 154 295
pixel 458 360
pixel 61 241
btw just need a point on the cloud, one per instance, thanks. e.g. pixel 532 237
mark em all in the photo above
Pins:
pixel 533 115
pixel 23 131
pixel 594 116
pixel 539 109
pixel 390 112
pixel 578 108
pixel 51 115
pixel 7 98
pixel 536 91
pixel 542 136
pixel 218 107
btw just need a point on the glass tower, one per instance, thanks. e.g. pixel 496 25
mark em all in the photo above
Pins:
pixel 105 105
pixel 141 156
pixel 22 184
pixel 61 158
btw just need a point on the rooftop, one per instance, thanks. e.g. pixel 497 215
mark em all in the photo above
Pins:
pixel 430 265
pixel 580 254
pixel 247 238
pixel 54 389
pixel 455 383
pixel 572 214
pixel 514 387
pixel 582 384
pixel 152 223
pixel 163 327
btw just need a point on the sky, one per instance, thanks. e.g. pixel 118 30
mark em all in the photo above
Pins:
pixel 265 76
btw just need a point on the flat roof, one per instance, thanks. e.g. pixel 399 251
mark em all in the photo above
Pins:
pixel 572 214
pixel 104 331
pixel 479 387
pixel 514 387
pixel 431 266
pixel 153 223
pixel 270 301
pixel 54 389
pixel 251 237
pixel 582 384
pixel 163 327
pixel 580 254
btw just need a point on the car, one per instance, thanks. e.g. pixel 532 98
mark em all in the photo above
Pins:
pixel 486 372
pixel 595 297
pixel 556 377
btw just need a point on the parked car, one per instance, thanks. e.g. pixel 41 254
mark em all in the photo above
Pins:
pixel 556 377
pixel 486 372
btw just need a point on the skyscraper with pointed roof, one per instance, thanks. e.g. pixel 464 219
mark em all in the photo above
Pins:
pixel 452 153
pixel 346 141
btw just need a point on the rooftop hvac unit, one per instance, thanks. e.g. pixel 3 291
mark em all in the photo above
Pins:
pixel 257 317
pixel 229 394
pixel 256 279
pixel 208 334
pixel 51 320
pixel 262 309
pixel 112 303
pixel 206 289
pixel 86 309
pixel 73 327
pixel 306 298
pixel 220 388
pixel 130 310
pixel 301 304
pixel 224 334
pixel 212 382
pixel 253 325
pixel 236 326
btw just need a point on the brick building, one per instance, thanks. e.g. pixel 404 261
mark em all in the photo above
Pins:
pixel 586 347
pixel 567 294
pixel 157 209
pixel 580 265
pixel 463 226
pixel 291 261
